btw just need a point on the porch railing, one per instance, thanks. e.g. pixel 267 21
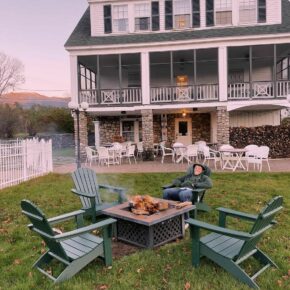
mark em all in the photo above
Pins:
pixel 111 96
pixel 207 92
pixel 263 89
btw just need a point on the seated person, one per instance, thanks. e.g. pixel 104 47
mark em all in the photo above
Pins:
pixel 182 188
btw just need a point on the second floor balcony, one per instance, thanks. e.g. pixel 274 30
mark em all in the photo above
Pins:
pixel 187 76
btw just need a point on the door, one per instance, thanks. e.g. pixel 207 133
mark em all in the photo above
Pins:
pixel 130 130
pixel 183 130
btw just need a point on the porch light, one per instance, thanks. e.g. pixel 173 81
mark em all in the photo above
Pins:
pixel 183 114
pixel 76 108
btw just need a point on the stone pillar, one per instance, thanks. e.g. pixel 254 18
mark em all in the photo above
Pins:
pixel 223 126
pixel 147 132
pixel 97 133
pixel 83 121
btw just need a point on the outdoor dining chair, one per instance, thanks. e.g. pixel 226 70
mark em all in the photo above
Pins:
pixel 92 155
pixel 165 151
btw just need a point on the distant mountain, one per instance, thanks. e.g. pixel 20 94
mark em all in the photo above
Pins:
pixel 28 99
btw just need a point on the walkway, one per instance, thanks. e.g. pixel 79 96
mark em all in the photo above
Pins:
pixel 277 165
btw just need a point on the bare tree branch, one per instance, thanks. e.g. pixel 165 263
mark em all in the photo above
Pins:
pixel 11 73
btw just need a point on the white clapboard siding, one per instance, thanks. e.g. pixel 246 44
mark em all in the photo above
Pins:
pixel 21 160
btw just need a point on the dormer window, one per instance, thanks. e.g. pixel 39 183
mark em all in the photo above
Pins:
pixel 142 17
pixel 120 18
pixel 248 11
pixel 181 10
pixel 223 12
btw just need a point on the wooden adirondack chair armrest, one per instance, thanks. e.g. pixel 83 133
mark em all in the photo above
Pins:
pixel 61 218
pixel 85 194
pixel 220 230
pixel 77 232
pixel 224 212
pixel 65 217
pixel 121 191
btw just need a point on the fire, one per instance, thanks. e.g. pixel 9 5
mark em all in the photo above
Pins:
pixel 146 205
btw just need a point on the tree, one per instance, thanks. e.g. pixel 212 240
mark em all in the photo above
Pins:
pixel 11 73
pixel 10 120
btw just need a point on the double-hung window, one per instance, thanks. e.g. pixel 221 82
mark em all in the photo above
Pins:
pixel 223 12
pixel 120 18
pixel 248 11
pixel 182 13
pixel 142 16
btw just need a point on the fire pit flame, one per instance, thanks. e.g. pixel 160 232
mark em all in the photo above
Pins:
pixel 146 205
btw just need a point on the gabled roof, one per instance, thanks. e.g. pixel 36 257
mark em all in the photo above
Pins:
pixel 81 36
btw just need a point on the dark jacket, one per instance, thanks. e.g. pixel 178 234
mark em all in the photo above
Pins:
pixel 194 181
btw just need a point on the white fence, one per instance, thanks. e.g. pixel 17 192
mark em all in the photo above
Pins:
pixel 21 160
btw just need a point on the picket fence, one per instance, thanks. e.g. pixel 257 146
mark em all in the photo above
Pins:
pixel 21 160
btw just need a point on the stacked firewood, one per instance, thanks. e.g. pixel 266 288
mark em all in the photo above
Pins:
pixel 146 205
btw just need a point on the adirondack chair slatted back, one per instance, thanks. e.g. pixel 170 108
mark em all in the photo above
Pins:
pixel 262 223
pixel 85 180
pixel 42 227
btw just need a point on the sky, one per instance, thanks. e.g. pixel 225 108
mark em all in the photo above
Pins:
pixel 35 31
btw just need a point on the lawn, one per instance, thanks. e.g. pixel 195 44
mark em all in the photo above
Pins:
pixel 167 267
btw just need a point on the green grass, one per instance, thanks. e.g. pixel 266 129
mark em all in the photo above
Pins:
pixel 167 267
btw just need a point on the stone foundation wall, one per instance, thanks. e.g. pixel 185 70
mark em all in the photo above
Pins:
pixel 109 128
pixel 83 123
pixel 157 128
pixel 277 138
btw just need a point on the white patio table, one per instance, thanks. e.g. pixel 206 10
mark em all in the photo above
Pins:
pixel 180 150
pixel 236 160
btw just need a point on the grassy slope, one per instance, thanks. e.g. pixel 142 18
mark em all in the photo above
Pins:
pixel 168 267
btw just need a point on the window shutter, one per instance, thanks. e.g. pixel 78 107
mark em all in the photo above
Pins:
pixel 107 19
pixel 209 13
pixel 168 14
pixel 195 13
pixel 155 15
pixel 261 10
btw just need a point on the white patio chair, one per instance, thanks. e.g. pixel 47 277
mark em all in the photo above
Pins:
pixel 105 157
pixel 92 155
pixel 264 155
pixel 165 151
pixel 130 153
pixel 191 153
pixel 179 151
pixel 200 145
pixel 210 154
pixel 250 149
pixel 227 158
pixel 140 149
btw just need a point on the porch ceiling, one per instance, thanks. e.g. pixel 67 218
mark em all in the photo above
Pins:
pixel 260 107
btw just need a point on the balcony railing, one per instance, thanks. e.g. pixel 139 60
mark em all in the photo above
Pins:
pixel 260 90
pixel 124 96
pixel 208 92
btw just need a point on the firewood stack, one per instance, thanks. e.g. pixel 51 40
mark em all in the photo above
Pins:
pixel 146 205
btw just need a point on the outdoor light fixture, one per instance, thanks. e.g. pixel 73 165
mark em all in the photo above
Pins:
pixel 76 108
pixel 183 114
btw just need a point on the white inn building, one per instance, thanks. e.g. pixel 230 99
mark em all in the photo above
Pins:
pixel 180 70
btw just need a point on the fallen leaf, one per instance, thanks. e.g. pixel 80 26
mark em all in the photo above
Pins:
pixel 279 282
pixel 139 270
pixel 110 267
pixel 17 262
pixel 187 286
pixel 102 287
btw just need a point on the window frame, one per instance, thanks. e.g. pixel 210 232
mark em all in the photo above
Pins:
pixel 119 18
pixel 189 15
pixel 250 6
pixel 229 9
pixel 149 17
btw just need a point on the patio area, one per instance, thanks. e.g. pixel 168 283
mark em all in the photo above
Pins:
pixel 277 165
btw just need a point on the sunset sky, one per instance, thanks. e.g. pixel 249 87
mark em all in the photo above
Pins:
pixel 34 31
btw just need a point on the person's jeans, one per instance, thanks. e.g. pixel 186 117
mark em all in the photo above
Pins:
pixel 178 194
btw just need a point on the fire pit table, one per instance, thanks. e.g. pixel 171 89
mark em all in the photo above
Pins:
pixel 149 231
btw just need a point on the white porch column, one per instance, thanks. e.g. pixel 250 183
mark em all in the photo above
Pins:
pixel 97 133
pixel 74 78
pixel 223 73
pixel 145 78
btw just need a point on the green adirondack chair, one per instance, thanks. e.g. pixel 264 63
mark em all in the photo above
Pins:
pixel 229 248
pixel 88 189
pixel 74 249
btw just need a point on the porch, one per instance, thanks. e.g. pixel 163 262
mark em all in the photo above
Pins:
pixel 185 76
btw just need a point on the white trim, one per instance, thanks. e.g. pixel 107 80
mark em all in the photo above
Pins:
pixel 74 78
pixel 223 73
pixel 185 44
